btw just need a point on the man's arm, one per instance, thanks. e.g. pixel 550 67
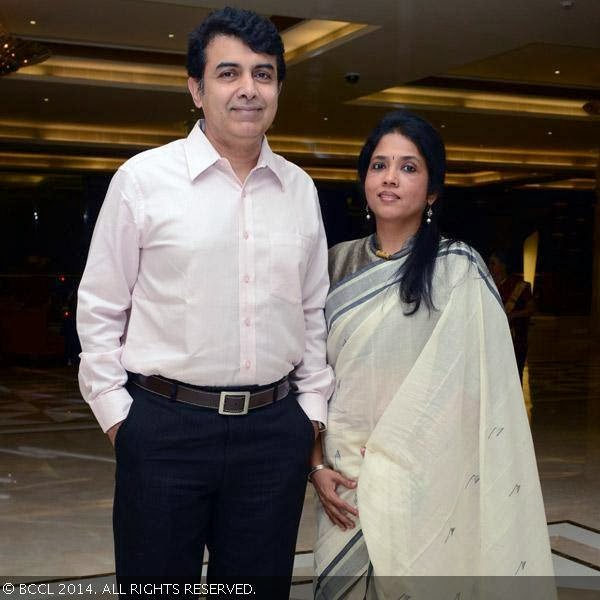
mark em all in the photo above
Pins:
pixel 104 300
pixel 313 378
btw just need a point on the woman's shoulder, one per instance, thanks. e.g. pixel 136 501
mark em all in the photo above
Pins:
pixel 347 257
pixel 459 260
pixel 460 253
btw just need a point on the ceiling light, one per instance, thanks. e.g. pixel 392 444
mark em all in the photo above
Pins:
pixel 16 53
pixel 325 118
pixel 557 72
pixel 171 35
pixel 443 125
pixel 567 3
pixel 592 107
pixel 32 22
pixel 46 99
pixel 549 133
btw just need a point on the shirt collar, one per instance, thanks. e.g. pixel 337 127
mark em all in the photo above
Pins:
pixel 200 154
pixel 268 159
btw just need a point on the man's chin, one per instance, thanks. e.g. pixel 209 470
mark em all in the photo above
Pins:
pixel 249 129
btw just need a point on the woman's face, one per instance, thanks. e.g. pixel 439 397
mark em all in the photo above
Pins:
pixel 396 182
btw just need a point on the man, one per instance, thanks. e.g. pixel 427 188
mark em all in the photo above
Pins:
pixel 204 287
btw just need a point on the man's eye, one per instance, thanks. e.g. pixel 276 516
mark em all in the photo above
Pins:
pixel 226 74
pixel 264 75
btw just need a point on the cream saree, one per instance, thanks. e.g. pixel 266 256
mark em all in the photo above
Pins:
pixel 449 484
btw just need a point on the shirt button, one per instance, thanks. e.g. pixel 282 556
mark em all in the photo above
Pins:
pixel 243 194
pixel 246 235
pixel 246 278
pixel 247 364
pixel 247 322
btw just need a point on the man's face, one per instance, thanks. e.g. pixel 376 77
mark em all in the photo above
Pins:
pixel 238 93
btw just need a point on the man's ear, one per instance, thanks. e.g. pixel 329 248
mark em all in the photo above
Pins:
pixel 195 87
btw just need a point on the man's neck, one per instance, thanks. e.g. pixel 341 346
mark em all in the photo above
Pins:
pixel 242 155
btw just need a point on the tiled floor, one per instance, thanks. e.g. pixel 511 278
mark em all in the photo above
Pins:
pixel 56 467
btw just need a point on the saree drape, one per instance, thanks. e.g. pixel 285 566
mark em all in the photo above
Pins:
pixel 449 483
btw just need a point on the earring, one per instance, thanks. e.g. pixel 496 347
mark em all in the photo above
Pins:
pixel 367 213
pixel 429 214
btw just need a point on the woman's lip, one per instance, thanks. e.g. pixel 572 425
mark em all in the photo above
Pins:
pixel 388 196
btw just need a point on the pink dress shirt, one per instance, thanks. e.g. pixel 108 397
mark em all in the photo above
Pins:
pixel 197 277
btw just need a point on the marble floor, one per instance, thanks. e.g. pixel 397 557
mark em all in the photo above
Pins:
pixel 56 467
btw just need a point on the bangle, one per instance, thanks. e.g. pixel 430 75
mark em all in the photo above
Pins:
pixel 317 468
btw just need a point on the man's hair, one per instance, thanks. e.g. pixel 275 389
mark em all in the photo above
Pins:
pixel 258 33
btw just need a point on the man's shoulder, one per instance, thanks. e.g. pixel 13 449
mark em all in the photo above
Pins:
pixel 149 160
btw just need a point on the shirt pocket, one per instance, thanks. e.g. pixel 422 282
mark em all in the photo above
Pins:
pixel 288 256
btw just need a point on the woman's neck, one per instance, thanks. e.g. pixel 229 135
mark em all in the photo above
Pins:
pixel 391 237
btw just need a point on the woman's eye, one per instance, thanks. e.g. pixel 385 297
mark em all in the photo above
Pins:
pixel 409 168
pixel 377 166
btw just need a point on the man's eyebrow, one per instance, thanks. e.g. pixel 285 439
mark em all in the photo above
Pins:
pixel 223 65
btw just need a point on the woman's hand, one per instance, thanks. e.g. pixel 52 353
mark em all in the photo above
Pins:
pixel 326 482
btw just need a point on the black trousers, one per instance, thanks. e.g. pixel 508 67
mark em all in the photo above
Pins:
pixel 188 477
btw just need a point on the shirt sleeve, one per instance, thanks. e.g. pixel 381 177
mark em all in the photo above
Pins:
pixel 313 379
pixel 104 300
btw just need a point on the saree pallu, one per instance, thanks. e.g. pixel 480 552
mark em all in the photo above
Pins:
pixel 449 484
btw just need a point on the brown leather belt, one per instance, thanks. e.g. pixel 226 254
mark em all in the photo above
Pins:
pixel 227 402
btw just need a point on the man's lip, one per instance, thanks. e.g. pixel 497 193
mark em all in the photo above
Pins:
pixel 246 108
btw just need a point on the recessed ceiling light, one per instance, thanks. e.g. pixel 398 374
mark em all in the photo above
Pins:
pixel 46 99
pixel 192 110
pixel 325 118
pixel 443 125
pixel 171 35
pixel 557 72
pixel 549 133
pixel 32 22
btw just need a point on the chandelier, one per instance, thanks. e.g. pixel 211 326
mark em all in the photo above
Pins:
pixel 16 52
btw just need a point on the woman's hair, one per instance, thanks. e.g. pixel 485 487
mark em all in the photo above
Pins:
pixel 416 273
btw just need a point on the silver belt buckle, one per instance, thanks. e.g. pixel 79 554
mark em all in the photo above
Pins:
pixel 223 401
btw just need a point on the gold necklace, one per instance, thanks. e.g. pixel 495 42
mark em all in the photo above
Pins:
pixel 379 252
pixel 382 254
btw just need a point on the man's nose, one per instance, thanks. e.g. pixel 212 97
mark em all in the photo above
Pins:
pixel 247 87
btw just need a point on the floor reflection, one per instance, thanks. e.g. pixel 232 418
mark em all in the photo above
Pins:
pixel 56 467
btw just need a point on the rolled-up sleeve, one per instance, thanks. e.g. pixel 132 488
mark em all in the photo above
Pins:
pixel 313 379
pixel 104 300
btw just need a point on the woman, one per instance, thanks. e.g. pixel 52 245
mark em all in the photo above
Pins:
pixel 427 434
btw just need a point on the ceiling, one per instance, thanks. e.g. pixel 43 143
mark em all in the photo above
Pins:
pixel 504 83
